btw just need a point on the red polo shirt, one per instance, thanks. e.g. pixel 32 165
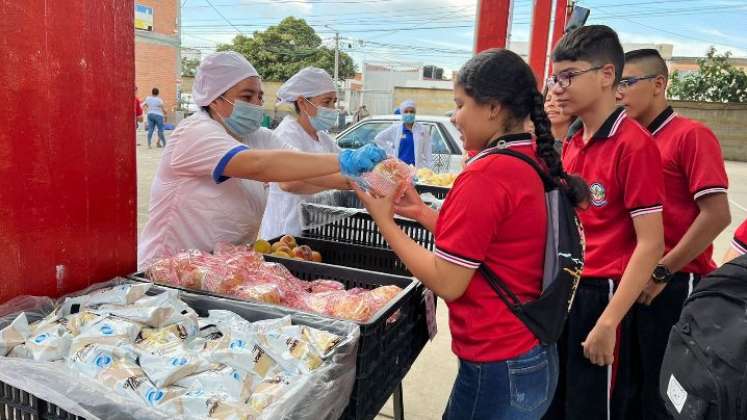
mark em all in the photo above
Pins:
pixel 739 242
pixel 494 215
pixel 693 168
pixel 622 166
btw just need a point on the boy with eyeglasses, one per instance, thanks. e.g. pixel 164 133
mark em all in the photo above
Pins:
pixel 696 210
pixel 622 225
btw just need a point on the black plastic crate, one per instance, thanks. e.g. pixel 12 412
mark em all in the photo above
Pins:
pixel 386 349
pixel 362 257
pixel 358 228
pixel 438 192
pixel 16 404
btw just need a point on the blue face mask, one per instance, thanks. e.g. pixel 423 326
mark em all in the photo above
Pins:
pixel 325 118
pixel 408 118
pixel 245 118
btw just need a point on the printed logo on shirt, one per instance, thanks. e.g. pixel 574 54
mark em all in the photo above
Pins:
pixel 598 195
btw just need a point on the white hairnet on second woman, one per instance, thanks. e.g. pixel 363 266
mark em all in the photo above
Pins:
pixel 307 83
pixel 312 92
pixel 217 73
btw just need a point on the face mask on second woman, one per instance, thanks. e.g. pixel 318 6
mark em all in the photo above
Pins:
pixel 325 118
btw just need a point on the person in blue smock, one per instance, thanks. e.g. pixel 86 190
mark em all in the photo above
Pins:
pixel 407 140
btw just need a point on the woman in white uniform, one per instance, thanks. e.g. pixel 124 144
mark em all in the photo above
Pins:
pixel 407 140
pixel 199 197
pixel 312 92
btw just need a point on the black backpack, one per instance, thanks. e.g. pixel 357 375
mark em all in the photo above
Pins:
pixel 564 261
pixel 704 372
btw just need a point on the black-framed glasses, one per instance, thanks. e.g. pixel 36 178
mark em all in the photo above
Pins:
pixel 630 81
pixel 564 79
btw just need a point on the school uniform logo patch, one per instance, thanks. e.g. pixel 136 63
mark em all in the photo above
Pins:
pixel 598 195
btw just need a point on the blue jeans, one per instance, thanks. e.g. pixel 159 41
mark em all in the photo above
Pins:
pixel 156 121
pixel 517 389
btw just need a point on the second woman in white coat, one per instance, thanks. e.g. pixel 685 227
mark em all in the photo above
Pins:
pixel 313 95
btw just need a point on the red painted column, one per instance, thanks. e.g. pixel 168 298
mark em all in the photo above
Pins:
pixel 538 40
pixel 561 17
pixel 492 26
pixel 67 145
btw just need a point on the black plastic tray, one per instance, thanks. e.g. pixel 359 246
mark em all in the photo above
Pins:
pixel 438 192
pixel 362 257
pixel 16 404
pixel 359 228
pixel 386 349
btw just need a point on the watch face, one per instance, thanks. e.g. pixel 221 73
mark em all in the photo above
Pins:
pixel 660 273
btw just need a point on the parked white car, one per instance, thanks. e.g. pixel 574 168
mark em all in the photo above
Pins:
pixel 447 146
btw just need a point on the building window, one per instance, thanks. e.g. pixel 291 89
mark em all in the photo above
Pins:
pixel 143 18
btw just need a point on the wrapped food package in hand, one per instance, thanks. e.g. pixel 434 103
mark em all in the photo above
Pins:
pixel 389 178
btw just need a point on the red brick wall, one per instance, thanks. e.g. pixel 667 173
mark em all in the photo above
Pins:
pixel 164 15
pixel 155 66
pixel 156 63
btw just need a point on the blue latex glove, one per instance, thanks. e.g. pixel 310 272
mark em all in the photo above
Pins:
pixel 355 162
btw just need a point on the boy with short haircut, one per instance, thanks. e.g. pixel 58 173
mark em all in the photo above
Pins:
pixel 623 227
pixel 696 210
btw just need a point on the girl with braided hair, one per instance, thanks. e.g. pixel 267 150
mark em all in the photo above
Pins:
pixel 495 215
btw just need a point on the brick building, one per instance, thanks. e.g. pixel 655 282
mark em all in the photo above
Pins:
pixel 157 43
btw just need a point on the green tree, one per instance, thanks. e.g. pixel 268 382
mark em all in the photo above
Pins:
pixel 717 80
pixel 189 66
pixel 280 51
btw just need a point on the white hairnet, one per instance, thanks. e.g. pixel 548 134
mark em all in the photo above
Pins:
pixel 219 72
pixel 307 83
pixel 409 103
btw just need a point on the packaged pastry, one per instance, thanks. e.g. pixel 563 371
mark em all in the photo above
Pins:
pixel 124 294
pixel 235 383
pixel 171 364
pixel 14 334
pixel 49 343
pixel 268 391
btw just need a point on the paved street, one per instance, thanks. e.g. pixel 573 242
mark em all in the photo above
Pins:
pixel 428 384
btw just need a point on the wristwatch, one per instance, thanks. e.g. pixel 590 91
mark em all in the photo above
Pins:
pixel 661 274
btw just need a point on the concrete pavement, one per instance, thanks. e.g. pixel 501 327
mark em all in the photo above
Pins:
pixel 427 386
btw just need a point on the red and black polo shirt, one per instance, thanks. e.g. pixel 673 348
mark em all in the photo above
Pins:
pixel 693 168
pixel 622 166
pixel 739 242
pixel 495 215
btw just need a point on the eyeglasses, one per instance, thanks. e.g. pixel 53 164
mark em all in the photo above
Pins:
pixel 630 81
pixel 564 79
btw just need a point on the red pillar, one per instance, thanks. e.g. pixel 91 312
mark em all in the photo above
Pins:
pixel 538 41
pixel 67 145
pixel 492 26
pixel 561 17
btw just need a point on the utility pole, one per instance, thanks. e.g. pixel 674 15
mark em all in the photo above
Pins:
pixel 337 56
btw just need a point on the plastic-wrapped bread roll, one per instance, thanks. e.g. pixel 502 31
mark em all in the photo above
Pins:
pixel 125 294
pixel 235 383
pixel 49 343
pixel 171 364
pixel 109 330
pixel 14 334
pixel 203 404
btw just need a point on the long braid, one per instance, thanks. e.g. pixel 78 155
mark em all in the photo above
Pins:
pixel 574 187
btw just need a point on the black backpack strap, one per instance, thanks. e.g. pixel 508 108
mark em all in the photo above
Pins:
pixel 501 289
pixel 547 181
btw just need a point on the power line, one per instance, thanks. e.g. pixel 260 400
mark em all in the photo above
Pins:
pixel 681 35
pixel 224 18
